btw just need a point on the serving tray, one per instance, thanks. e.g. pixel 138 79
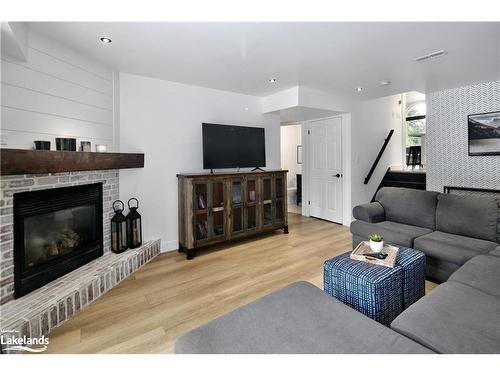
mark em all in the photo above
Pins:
pixel 364 248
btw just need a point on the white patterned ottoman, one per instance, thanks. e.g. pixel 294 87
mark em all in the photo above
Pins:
pixel 379 292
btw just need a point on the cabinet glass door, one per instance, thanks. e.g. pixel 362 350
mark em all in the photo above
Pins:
pixel 280 196
pixel 237 205
pixel 251 203
pixel 279 187
pixel 200 208
pixel 267 201
pixel 218 215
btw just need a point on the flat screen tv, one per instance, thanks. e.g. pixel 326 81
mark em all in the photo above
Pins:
pixel 230 146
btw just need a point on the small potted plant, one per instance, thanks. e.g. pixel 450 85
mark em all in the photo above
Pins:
pixel 376 242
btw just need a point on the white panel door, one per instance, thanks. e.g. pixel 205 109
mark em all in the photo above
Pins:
pixel 325 161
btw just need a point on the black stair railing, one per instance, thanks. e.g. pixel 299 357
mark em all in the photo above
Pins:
pixel 375 163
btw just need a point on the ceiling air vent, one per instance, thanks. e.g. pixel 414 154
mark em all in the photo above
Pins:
pixel 431 55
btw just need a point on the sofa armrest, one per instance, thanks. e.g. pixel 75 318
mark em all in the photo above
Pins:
pixel 370 212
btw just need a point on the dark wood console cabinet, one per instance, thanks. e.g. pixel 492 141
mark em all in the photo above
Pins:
pixel 220 207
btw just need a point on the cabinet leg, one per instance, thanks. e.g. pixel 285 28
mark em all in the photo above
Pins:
pixel 285 229
pixel 190 254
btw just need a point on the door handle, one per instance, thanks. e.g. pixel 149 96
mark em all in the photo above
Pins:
pixel 338 175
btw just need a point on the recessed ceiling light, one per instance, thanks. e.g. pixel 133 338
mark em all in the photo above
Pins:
pixel 272 80
pixel 385 82
pixel 431 55
pixel 359 89
pixel 105 40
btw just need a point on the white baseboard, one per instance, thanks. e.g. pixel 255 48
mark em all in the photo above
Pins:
pixel 167 246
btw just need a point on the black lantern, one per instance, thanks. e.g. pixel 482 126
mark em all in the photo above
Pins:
pixel 118 229
pixel 134 228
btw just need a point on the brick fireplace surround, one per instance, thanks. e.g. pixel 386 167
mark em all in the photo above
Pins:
pixel 38 312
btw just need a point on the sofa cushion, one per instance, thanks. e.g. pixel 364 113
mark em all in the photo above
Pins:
pixel 370 212
pixel 496 252
pixel 439 270
pixel 409 206
pixel 394 233
pixel 498 222
pixel 452 248
pixel 481 272
pixel 467 216
pixel 300 318
pixel 453 318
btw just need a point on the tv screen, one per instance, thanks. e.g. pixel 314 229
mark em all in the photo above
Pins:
pixel 228 146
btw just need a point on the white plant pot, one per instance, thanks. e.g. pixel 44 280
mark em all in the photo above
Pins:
pixel 376 246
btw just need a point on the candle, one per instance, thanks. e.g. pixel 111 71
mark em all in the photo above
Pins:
pixel 101 148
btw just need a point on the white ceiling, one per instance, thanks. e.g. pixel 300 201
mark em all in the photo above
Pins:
pixel 333 57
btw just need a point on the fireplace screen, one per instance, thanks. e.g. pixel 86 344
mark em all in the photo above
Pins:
pixel 55 232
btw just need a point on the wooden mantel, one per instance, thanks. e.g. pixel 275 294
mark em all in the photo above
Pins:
pixel 14 161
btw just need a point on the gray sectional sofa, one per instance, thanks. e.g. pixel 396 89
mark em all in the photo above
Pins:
pixel 462 315
pixel 449 229
pixel 454 318
pixel 300 318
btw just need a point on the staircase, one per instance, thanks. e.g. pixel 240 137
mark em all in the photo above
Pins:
pixel 413 179
pixel 397 176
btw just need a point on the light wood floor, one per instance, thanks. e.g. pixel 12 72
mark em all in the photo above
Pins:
pixel 169 296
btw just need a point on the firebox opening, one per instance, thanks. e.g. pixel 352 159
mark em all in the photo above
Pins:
pixel 55 232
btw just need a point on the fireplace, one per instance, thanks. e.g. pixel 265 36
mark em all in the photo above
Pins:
pixel 55 232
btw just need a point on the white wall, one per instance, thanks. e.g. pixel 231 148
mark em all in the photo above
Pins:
pixel 301 96
pixel 163 120
pixel 280 100
pixel 318 99
pixel 14 41
pixel 56 93
pixel 291 136
pixel 371 122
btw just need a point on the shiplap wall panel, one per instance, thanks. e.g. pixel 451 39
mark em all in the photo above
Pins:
pixel 70 56
pixel 35 101
pixel 448 161
pixel 56 93
pixel 18 75
pixel 26 121
pixel 41 62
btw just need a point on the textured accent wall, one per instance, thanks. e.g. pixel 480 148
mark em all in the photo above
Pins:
pixel 448 161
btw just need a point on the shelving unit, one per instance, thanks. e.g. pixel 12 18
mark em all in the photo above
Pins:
pixel 215 208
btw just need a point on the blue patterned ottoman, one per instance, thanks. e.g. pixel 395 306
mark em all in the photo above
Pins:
pixel 379 292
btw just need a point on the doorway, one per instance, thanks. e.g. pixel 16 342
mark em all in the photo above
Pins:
pixel 414 130
pixel 325 169
pixel 291 160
